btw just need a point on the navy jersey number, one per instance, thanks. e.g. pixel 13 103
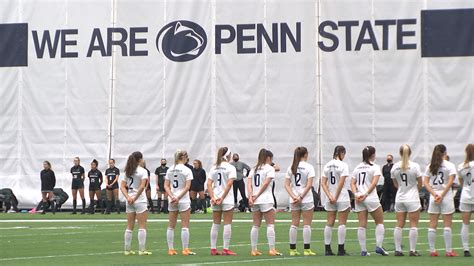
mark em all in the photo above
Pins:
pixel 361 178
pixel 175 183
pixel 298 179
pixel 439 179
pixel 404 178
pixel 219 179
pixel 256 180
pixel 332 178
pixel 131 182
pixel 469 180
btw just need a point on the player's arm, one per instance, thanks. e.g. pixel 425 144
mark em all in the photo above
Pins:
pixel 101 180
pixel 419 181
pixel 123 189
pixel 83 176
pixel 168 189
pixel 115 180
pixel 307 188
pixel 142 186
pixel 157 178
pixel 372 186
pixel 210 182
pixel 324 185
pixel 449 185
pixel 250 189
pixel 340 186
pixel 353 185
pixel 266 183
pixel 228 186
pixel 247 169
pixel 288 188
pixel 428 187
pixel 187 187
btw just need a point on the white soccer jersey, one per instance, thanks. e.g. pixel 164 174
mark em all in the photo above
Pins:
pixel 220 175
pixel 178 175
pixel 363 175
pixel 439 181
pixel 256 179
pixel 407 182
pixel 467 175
pixel 299 181
pixel 133 183
pixel 333 171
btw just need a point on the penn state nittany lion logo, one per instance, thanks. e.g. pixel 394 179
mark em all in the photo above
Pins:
pixel 181 40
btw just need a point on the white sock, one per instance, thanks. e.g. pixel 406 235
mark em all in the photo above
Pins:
pixel 271 236
pixel 379 234
pixel 397 237
pixel 327 235
pixel 214 234
pixel 170 237
pixel 185 237
pixel 128 239
pixel 413 236
pixel 293 234
pixel 431 239
pixel 448 239
pixel 226 235
pixel 254 237
pixel 362 239
pixel 307 234
pixel 141 239
pixel 341 234
pixel 465 236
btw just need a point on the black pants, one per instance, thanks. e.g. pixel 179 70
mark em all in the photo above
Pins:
pixel 240 185
pixel 388 196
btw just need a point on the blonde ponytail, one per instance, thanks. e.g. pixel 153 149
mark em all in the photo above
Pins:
pixel 405 153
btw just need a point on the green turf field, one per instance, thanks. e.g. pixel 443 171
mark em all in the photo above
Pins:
pixel 65 239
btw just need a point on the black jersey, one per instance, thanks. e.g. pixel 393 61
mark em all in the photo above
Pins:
pixel 161 173
pixel 48 180
pixel 111 173
pixel 77 172
pixel 95 178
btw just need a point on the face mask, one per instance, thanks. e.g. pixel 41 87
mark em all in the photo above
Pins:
pixel 236 160
pixel 163 164
pixel 389 161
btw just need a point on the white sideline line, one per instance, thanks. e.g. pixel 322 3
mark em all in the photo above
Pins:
pixel 166 220
pixel 244 261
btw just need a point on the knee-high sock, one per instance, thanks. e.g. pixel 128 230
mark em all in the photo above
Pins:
pixel 254 236
pixel 193 204
pixel 74 205
pixel 214 234
pixel 83 204
pixel 413 237
pixel 271 236
pixel 431 239
pixel 150 202
pixel 362 238
pixel 465 236
pixel 159 205
pixel 128 239
pixel 170 237
pixel 185 237
pixel 448 239
pixel 293 234
pixel 307 234
pixel 379 234
pixel 165 205
pixel 327 235
pixel 341 234
pixel 227 235
pixel 141 239
pixel 397 237
pixel 117 205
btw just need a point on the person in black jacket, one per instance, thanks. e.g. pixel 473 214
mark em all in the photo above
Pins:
pixel 389 191
pixel 197 187
pixel 48 181
pixel 160 174
pixel 95 182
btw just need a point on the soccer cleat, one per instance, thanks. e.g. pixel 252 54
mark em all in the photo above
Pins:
pixel 399 254
pixel 414 254
pixel 342 253
pixel 172 252
pixel 129 252
pixel 294 252
pixel 467 253
pixel 228 252
pixel 144 252
pixel 451 254
pixel 434 254
pixel 255 253
pixel 309 252
pixel 381 251
pixel 215 252
pixel 187 252
pixel 329 253
pixel 274 252
pixel 364 253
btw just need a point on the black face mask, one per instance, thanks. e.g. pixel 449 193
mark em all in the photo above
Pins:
pixel 389 161
pixel 236 159
pixel 163 164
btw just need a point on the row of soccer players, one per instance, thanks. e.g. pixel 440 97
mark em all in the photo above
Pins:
pixel 438 179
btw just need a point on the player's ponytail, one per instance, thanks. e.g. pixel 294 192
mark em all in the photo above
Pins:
pixel 222 154
pixel 132 163
pixel 367 153
pixel 469 154
pixel 300 153
pixel 405 153
pixel 179 156
pixel 437 158
pixel 339 150
pixel 263 154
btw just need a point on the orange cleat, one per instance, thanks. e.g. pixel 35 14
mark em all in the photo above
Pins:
pixel 172 252
pixel 255 253
pixel 187 252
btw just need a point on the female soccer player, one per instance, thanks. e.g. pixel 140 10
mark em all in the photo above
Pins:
pixel 112 175
pixel 407 178
pixel 78 176
pixel 48 181
pixel 219 183
pixel 333 182
pixel 466 206
pixel 364 180
pixel 439 178
pixel 95 182
pixel 197 187
pixel 261 201
pixel 132 187
pixel 298 183
pixel 177 184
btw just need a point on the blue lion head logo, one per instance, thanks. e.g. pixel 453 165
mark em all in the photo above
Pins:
pixel 181 41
